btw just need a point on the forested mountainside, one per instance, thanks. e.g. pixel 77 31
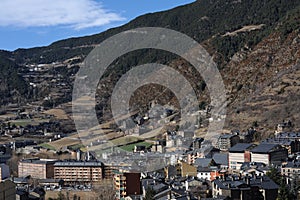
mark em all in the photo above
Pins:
pixel 255 44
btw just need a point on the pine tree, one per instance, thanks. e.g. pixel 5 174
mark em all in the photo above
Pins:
pixel 150 193
pixel 275 175
pixel 294 188
pixel 283 193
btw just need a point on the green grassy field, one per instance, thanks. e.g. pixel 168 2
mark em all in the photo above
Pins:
pixel 47 146
pixel 130 147
pixel 76 146
pixel 25 122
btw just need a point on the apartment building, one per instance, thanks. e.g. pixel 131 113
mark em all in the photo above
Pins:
pixel 270 154
pixel 226 141
pixel 292 145
pixel 288 135
pixel 36 168
pixel 238 154
pixel 127 184
pixel 291 170
pixel 78 171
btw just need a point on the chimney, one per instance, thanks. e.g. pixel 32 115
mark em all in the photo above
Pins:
pixel 186 185
pixel 78 155
pixel 88 155
pixel 248 180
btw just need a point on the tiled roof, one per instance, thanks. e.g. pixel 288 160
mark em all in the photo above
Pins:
pixel 38 161
pixel 203 162
pixel 293 165
pixel 221 158
pixel 262 182
pixel 240 147
pixel 264 148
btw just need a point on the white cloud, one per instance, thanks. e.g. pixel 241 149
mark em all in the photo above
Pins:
pixel 78 14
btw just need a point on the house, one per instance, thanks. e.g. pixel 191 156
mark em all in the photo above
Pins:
pixel 159 146
pixel 209 173
pixel 204 162
pixel 221 159
pixel 160 188
pixel 270 154
pixel 253 172
pixel 288 135
pixel 226 141
pixel 238 154
pixel 204 173
pixel 245 188
pixel 187 170
pixel 177 140
pixel 171 171
pixel 193 155
pixel 206 151
pixel 254 169
pixel 292 145
pixel 291 170
pixel 196 144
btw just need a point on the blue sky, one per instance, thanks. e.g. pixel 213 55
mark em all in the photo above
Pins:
pixel 41 22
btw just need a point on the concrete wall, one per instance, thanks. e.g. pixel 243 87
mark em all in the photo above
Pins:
pixel 4 171
pixel 236 160
pixel 257 157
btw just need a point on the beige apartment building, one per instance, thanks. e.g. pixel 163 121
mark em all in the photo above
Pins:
pixel 78 171
pixel 36 168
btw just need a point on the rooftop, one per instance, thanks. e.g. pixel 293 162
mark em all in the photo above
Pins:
pixel 253 165
pixel 221 158
pixel 262 182
pixel 38 161
pixel 204 162
pixel 264 148
pixel 240 147
pixel 292 165
pixel 227 136
pixel 281 141
pixel 288 135
pixel 78 164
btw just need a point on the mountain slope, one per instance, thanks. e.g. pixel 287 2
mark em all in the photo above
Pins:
pixel 200 20
pixel 255 43
pixel 12 85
